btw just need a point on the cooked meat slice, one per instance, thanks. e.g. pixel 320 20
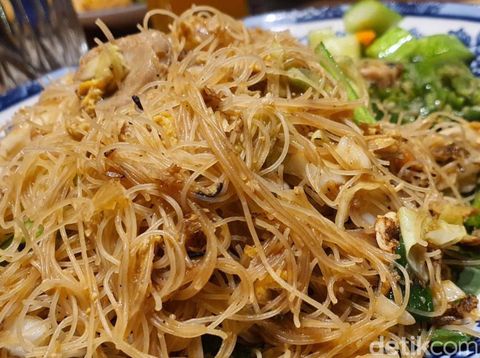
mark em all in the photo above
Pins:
pixel 145 57
pixel 447 153
pixel 387 232
pixel 380 73
pixel 458 310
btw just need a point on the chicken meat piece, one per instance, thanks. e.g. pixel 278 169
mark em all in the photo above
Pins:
pixel 383 74
pixel 117 70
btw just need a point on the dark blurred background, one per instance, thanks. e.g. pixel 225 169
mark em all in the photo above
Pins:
pixel 40 36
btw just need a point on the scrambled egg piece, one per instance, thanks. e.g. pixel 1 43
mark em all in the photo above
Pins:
pixel 101 77
pixel 264 287
pixel 91 91
pixel 166 121
pixel 110 196
pixel 250 251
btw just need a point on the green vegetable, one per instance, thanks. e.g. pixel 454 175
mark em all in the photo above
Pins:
pixel 412 227
pixel 420 299
pixel 402 253
pixel 337 45
pixel 435 77
pixel 328 63
pixel 445 234
pixel 399 45
pixel 29 224
pixel 472 113
pixel 430 86
pixel 395 45
pixel 361 114
pixel 343 46
pixel 469 280
pixel 474 221
pixel 303 79
pixel 315 37
pixel 441 48
pixel 5 244
pixel 370 15
pixel 442 337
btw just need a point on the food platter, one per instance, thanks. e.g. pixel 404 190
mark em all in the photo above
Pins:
pixel 460 21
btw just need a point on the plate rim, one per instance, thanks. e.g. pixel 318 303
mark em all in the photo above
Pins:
pixel 444 10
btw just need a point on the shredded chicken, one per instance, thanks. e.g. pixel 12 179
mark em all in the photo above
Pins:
pixel 458 310
pixel 473 239
pixel 145 55
pixel 380 73
pixel 212 99
pixel 199 29
pixel 448 153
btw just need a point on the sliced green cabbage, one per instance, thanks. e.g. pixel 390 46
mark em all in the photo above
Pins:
pixel 446 234
pixel 452 292
pixel 418 229
pixel 302 79
pixel 412 226
pixel 385 307
pixel 343 46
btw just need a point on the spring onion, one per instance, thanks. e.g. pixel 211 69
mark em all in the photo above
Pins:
pixel 441 337
pixel 469 280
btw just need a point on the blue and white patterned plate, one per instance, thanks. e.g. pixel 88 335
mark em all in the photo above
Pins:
pixel 461 20
pixel 27 94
